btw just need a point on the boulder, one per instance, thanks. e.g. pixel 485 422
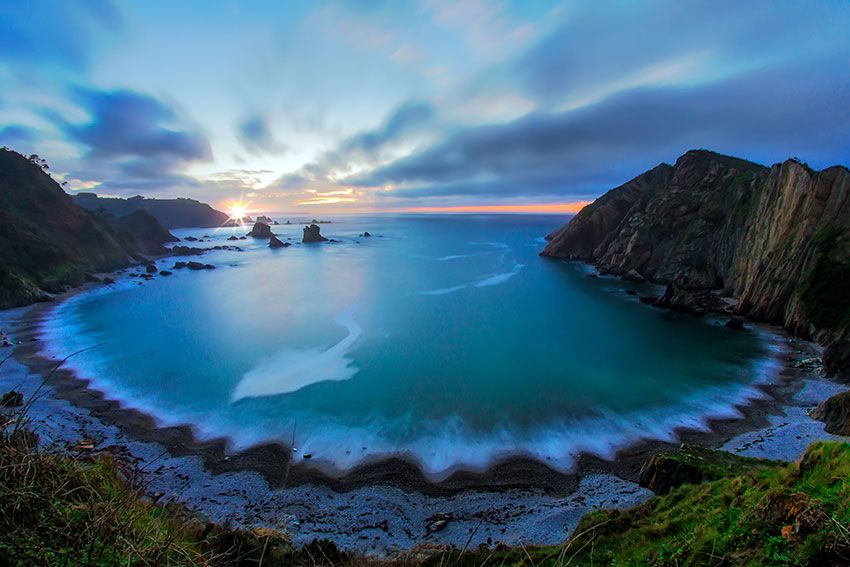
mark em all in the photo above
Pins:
pixel 835 413
pixel 650 299
pixel 178 265
pixel 735 323
pixel 312 234
pixel 692 301
pixel 12 399
pixel 234 237
pixel 150 268
pixel 366 234
pixel 275 242
pixel 633 276
pixel 199 266
pixel 187 251
pixel 261 230
pixel 165 273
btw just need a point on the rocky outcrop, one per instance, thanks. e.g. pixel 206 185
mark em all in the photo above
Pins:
pixel 261 230
pixel 171 213
pixel 835 413
pixel 777 239
pixel 312 234
pixel 275 242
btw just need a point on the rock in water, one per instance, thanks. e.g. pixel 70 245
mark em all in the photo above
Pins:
pixel 261 230
pixel 275 242
pixel 312 234
pixel 835 413
pixel 735 323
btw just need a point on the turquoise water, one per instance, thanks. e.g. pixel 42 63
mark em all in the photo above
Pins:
pixel 443 338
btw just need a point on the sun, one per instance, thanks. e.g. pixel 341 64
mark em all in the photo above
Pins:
pixel 237 210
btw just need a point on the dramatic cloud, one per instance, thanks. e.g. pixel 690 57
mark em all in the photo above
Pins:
pixel 579 152
pixel 415 104
pixel 131 140
pixel 363 149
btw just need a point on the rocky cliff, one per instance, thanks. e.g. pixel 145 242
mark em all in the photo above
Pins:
pixel 47 242
pixel 172 213
pixel 777 239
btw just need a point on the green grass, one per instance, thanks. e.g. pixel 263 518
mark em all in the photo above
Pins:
pixel 56 510
pixel 60 509
pixel 794 514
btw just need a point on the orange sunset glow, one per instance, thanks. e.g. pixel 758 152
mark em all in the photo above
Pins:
pixel 542 208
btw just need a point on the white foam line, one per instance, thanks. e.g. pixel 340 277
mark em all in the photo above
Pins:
pixel 289 370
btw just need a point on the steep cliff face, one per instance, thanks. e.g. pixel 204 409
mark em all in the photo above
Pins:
pixel 775 238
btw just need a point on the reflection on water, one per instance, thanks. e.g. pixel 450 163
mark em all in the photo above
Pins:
pixel 445 338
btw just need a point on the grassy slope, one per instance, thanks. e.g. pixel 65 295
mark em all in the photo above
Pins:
pixel 794 514
pixel 64 510
pixel 57 509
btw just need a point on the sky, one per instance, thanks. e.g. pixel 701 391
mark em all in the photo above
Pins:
pixel 421 105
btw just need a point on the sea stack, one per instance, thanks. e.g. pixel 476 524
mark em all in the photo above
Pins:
pixel 275 242
pixel 312 234
pixel 261 230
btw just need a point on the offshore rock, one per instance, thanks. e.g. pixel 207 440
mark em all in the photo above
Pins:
pixel 312 234
pixel 261 230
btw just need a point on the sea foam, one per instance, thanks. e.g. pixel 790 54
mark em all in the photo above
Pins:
pixel 292 369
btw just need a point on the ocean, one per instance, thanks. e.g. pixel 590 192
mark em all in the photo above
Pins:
pixel 444 339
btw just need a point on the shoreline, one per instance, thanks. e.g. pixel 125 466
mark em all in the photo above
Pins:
pixel 522 499
pixel 511 471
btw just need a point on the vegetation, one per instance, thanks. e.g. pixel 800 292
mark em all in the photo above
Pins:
pixel 63 509
pixel 793 514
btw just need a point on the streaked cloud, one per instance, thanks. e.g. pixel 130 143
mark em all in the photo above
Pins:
pixel 426 105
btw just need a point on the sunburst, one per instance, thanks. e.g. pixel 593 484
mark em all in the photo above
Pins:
pixel 238 210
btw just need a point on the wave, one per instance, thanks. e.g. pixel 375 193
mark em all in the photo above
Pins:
pixel 486 281
pixel 440 447
pixel 290 370
pixel 444 290
pixel 446 258
pixel 496 279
